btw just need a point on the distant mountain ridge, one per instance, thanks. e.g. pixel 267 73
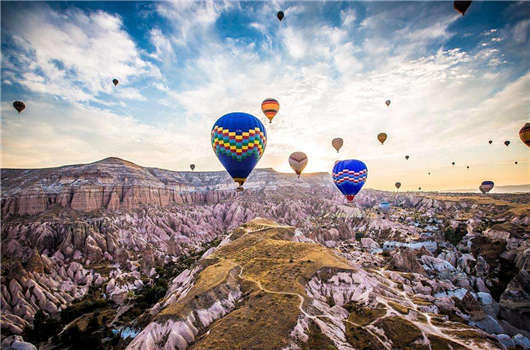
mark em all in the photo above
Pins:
pixel 114 183
pixel 499 189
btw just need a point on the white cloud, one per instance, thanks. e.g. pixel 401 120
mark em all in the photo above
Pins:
pixel 74 54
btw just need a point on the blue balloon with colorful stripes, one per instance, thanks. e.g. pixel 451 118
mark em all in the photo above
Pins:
pixel 239 140
pixel 349 176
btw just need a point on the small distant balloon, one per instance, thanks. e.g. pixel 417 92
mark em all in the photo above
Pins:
pixel 115 82
pixel 298 161
pixel 419 188
pixel 467 167
pixel 19 106
pixel 382 137
pixel 461 6
pixel 486 186
pixel 270 108
pixel 337 143
pixel 398 185
pixel 524 134
pixel 387 102
pixel 192 167
pixel 453 163
pixel 349 176
pixel 407 157
pixel 506 143
pixel 490 142
pixel 280 15
pixel 429 173
pixel 516 163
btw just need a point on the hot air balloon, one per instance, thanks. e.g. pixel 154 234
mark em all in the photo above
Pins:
pixel 387 102
pixel 239 140
pixel 192 167
pixel 429 173
pixel 298 161
pixel 270 107
pixel 349 176
pixel 115 82
pixel 382 137
pixel 461 6
pixel 486 185
pixel 407 157
pixel 419 188
pixel 453 163
pixel 490 142
pixel 516 163
pixel 524 134
pixel 337 143
pixel 384 206
pixel 19 106
pixel 280 15
pixel 398 185
pixel 507 143
pixel 467 166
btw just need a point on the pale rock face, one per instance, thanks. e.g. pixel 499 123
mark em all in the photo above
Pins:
pixel 175 332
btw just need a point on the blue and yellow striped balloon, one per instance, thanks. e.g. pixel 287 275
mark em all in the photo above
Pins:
pixel 239 140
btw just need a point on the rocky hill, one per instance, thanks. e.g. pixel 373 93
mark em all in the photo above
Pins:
pixel 262 290
pixel 114 183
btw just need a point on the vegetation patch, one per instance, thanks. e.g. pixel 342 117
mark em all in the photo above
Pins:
pixel 439 343
pixel 363 316
pixel 399 308
pixel 317 340
pixel 401 332
pixel 360 338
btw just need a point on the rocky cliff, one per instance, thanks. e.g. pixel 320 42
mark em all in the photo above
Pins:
pixel 114 183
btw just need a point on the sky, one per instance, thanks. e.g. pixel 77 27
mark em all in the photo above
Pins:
pixel 454 82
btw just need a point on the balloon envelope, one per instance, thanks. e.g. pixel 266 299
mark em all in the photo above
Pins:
pixel 239 140
pixel 490 142
pixel 280 15
pixel 398 185
pixel 461 6
pixel 407 157
pixel 298 161
pixel 387 102
pixel 349 176
pixel 524 134
pixel 192 166
pixel 270 107
pixel 115 82
pixel 486 186
pixel 382 137
pixel 507 143
pixel 19 106
pixel 337 143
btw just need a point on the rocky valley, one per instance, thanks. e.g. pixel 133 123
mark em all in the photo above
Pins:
pixel 112 255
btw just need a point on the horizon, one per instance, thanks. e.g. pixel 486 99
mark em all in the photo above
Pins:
pixel 405 187
pixel 454 82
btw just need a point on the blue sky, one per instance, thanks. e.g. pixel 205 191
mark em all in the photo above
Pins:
pixel 455 82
